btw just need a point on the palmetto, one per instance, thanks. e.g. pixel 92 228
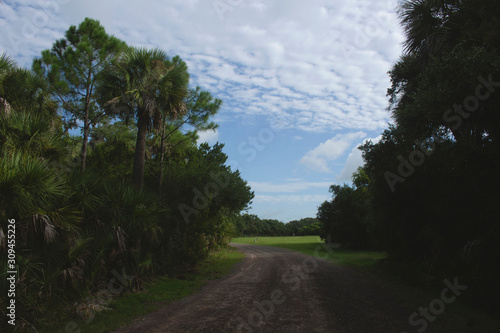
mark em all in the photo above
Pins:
pixel 31 133
pixel 34 194
pixel 22 90
pixel 6 66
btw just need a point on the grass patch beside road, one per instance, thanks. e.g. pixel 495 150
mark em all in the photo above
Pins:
pixel 126 308
pixel 314 246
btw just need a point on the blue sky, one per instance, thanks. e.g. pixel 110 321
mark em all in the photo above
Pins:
pixel 303 82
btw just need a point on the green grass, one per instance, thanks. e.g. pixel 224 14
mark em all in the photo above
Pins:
pixel 314 246
pixel 159 292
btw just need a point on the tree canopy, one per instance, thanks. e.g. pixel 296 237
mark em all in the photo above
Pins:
pixel 427 191
pixel 72 69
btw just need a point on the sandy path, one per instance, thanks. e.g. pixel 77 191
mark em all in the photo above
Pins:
pixel 277 290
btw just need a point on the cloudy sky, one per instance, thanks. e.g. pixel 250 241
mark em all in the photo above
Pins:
pixel 303 82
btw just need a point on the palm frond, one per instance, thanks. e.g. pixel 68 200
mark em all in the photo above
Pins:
pixel 6 63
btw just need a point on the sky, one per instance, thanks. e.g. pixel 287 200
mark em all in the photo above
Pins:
pixel 303 83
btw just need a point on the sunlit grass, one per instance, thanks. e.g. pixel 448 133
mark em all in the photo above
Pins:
pixel 314 246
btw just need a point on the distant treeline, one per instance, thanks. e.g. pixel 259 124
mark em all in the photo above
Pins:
pixel 252 225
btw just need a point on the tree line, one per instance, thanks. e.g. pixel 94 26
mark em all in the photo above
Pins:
pixel 428 190
pixel 252 225
pixel 134 193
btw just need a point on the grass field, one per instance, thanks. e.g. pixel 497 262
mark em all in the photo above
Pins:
pixel 130 306
pixel 312 245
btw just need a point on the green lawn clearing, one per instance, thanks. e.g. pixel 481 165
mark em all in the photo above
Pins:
pixel 313 245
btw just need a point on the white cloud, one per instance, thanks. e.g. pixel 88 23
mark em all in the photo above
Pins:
pixel 290 199
pixel 354 161
pixel 294 179
pixel 292 186
pixel 330 150
pixel 210 136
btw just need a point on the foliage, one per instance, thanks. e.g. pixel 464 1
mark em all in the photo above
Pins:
pixel 204 196
pixel 345 218
pixel 35 196
pixel 123 310
pixel 112 150
pixel 31 133
pixel 201 106
pixel 252 225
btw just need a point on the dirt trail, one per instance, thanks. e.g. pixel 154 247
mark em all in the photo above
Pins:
pixel 278 290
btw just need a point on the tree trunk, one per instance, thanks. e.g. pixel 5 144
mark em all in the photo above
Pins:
pixel 140 151
pixel 86 123
pixel 83 154
pixel 5 106
pixel 162 146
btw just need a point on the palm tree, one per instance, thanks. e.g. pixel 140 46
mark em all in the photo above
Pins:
pixel 6 66
pixel 433 26
pixel 426 24
pixel 149 86
pixel 21 90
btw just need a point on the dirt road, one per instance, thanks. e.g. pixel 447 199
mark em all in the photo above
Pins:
pixel 277 290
